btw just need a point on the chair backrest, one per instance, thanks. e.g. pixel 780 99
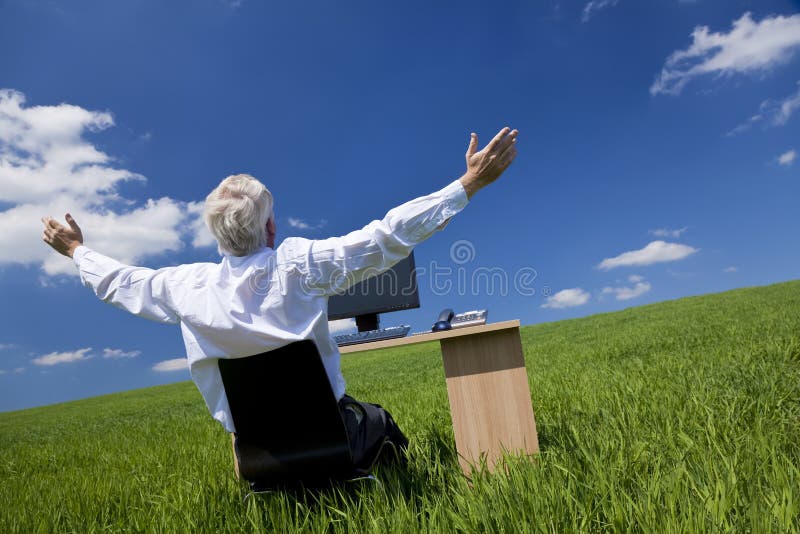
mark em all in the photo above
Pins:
pixel 288 425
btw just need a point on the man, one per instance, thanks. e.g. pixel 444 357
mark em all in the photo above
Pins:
pixel 260 298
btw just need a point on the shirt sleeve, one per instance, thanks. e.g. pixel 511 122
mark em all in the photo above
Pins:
pixel 138 290
pixel 331 265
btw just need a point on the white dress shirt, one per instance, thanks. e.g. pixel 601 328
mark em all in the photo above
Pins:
pixel 247 305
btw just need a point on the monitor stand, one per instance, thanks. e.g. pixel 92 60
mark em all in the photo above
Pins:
pixel 367 322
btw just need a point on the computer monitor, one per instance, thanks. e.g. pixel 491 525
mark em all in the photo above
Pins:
pixel 392 290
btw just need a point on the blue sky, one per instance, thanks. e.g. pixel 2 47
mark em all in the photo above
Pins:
pixel 657 153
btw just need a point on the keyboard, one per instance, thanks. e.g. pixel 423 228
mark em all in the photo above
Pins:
pixel 372 335
pixel 470 318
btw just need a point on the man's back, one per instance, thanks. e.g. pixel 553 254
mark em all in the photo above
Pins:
pixel 238 307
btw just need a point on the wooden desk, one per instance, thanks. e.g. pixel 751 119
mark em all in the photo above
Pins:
pixel 487 385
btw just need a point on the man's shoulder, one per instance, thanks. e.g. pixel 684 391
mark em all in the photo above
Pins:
pixel 292 248
pixel 194 272
pixel 293 242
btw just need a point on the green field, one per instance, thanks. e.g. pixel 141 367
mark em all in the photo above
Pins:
pixel 682 416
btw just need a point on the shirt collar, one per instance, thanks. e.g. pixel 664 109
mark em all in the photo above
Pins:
pixel 236 261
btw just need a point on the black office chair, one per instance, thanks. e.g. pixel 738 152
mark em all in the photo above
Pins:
pixel 289 430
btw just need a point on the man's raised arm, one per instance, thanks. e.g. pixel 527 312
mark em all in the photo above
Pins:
pixel 138 290
pixel 331 265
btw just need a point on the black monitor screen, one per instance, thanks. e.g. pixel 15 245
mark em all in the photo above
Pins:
pixel 395 289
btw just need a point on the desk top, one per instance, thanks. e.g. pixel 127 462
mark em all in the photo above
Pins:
pixel 429 336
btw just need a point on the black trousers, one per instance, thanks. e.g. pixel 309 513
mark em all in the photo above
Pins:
pixel 369 429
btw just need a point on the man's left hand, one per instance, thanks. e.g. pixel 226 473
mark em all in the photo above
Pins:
pixel 64 240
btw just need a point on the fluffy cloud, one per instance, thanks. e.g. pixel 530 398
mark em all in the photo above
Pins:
pixel 787 158
pixel 771 113
pixel 731 269
pixel 47 167
pixel 57 358
pixel 749 46
pixel 746 125
pixel 567 298
pixel 300 224
pixel 201 235
pixel 116 354
pixel 177 364
pixel 594 6
pixel 667 232
pixel 13 371
pixel 781 110
pixel 655 252
pixel 639 288
pixel 341 326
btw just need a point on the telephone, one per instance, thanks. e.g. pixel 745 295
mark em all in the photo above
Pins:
pixel 443 322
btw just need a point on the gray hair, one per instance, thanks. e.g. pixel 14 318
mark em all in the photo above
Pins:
pixel 236 212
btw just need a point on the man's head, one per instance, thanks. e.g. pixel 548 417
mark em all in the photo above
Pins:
pixel 239 214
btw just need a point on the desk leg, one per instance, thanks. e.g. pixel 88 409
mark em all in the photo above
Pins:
pixel 490 400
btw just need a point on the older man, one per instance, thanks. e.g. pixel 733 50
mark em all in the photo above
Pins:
pixel 259 297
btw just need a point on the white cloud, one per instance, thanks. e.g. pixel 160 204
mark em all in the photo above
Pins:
pixel 13 371
pixel 655 252
pixel 771 113
pixel 787 158
pixel 783 109
pixel 47 167
pixel 171 365
pixel 7 346
pixel 594 6
pixel 300 224
pixel 201 235
pixel 639 288
pixel 567 298
pixel 341 326
pixel 56 358
pixel 749 46
pixel 667 232
pixel 731 269
pixel 746 125
pixel 119 353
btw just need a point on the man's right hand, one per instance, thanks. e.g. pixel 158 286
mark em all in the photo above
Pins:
pixel 486 166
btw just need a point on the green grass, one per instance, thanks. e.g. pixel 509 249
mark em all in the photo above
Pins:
pixel 675 417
